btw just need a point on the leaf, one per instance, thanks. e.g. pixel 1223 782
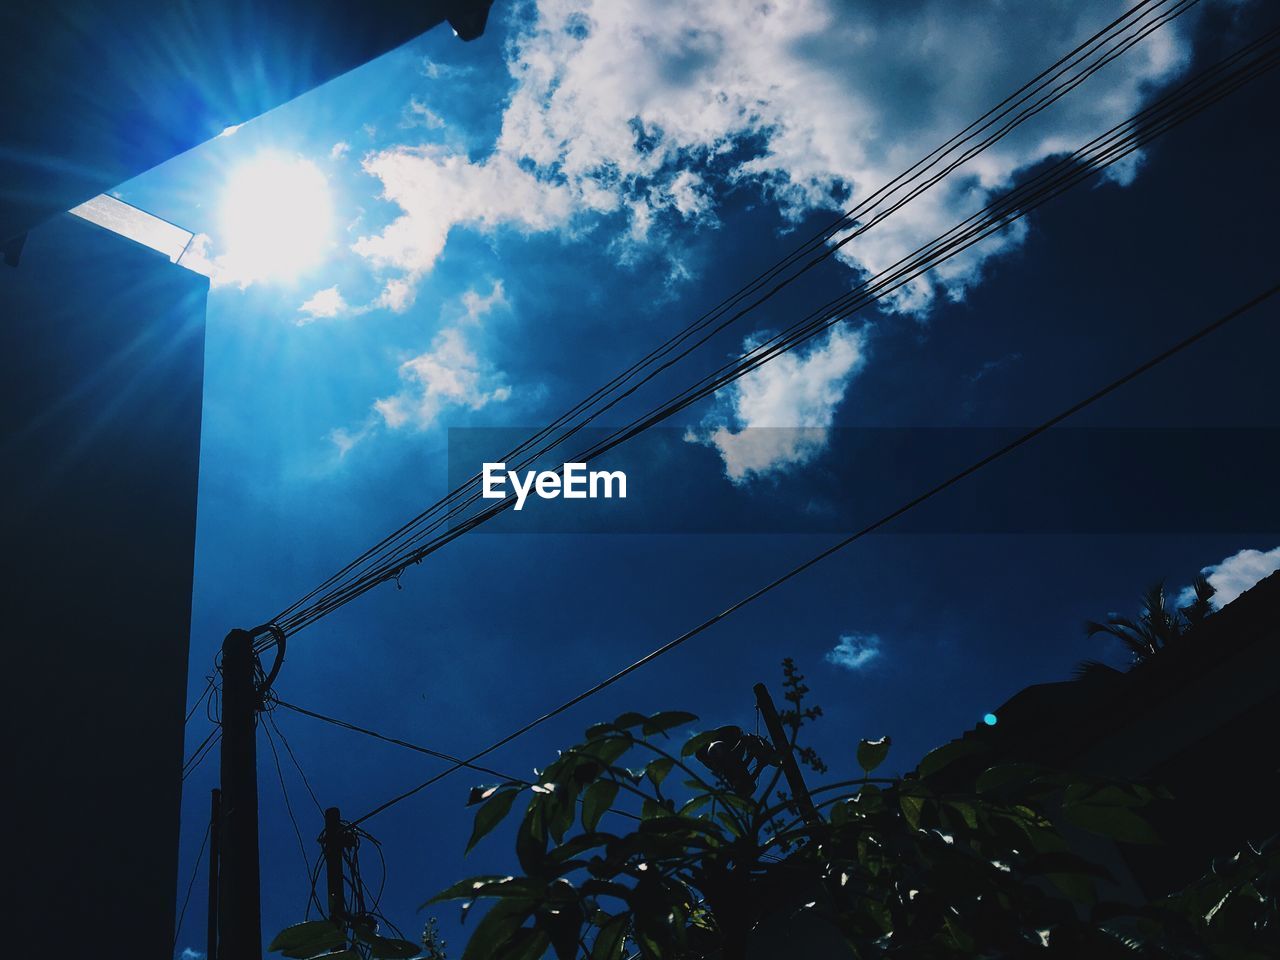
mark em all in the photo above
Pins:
pixel 526 945
pixel 498 927
pixel 869 798
pixel 490 815
pixel 947 754
pixel 482 793
pixel 308 939
pixel 1076 887
pixel 871 753
pixel 657 770
pixel 611 941
pixel 384 948
pixel 695 804
pixel 1118 823
pixel 912 807
pixel 1006 775
pixel 662 722
pixel 531 841
pixel 1064 861
pixel 629 719
pixel 966 812
pixel 697 742
pixel 606 749
pixel 463 889
pixel 597 799
pixel 576 846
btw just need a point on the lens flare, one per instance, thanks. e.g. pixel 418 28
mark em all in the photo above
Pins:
pixel 276 217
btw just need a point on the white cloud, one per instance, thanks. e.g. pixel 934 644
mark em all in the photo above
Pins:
pixel 475 306
pixel 817 97
pixel 418 114
pixel 346 440
pixel 189 954
pixel 808 102
pixel 339 150
pixel 854 651
pixel 324 304
pixel 437 191
pixel 448 374
pixel 778 416
pixel 1236 574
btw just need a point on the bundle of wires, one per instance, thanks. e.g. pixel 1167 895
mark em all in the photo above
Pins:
pixel 449 518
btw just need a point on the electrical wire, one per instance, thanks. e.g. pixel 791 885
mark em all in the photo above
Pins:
pixel 1079 58
pixel 288 806
pixel 208 688
pixel 202 751
pixel 289 750
pixel 458 763
pixel 839 545
pixel 427 751
pixel 195 872
pixel 1181 104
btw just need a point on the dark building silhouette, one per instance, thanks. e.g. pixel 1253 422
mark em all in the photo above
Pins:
pixel 103 362
pixel 1199 718
pixel 102 352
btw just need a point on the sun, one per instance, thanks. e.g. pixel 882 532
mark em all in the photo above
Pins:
pixel 276 216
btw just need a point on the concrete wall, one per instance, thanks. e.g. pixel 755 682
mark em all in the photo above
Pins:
pixel 102 343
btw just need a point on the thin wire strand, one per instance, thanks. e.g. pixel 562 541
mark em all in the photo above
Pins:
pixel 195 872
pixel 202 751
pixel 1031 88
pixel 1186 101
pixel 1025 438
pixel 288 806
pixel 289 750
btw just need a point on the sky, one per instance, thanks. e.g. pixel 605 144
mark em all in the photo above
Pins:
pixel 481 234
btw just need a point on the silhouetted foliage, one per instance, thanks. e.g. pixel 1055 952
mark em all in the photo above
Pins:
pixel 1158 626
pixel 632 845
pixel 956 859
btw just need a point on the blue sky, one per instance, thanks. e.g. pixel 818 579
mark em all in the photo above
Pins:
pixel 515 219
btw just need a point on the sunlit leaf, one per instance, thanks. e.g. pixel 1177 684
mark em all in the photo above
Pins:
pixel 871 753
pixel 657 770
pixel 490 815
pixel 667 720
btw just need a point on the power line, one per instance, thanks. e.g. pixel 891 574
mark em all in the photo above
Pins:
pixel 427 751
pixel 284 790
pixel 1107 149
pixel 1184 102
pixel 1025 438
pixel 301 773
pixel 202 751
pixel 196 706
pixel 195 871
pixel 1095 47
pixel 417 748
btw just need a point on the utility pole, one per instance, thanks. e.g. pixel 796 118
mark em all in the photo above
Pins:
pixel 215 848
pixel 799 792
pixel 333 840
pixel 239 903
